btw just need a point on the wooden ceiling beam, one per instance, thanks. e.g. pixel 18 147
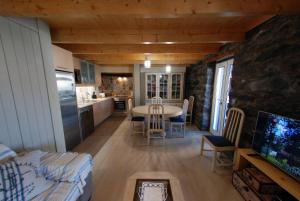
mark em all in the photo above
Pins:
pixel 96 36
pixel 152 57
pixel 141 48
pixel 151 8
pixel 128 62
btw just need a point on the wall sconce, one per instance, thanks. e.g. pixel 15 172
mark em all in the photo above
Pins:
pixel 168 68
pixel 124 78
pixel 120 79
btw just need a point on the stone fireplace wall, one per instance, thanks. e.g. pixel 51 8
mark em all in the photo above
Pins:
pixel 266 72
pixel 199 83
pixel 265 76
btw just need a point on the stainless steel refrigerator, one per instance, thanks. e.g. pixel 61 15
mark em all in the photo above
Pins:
pixel 68 105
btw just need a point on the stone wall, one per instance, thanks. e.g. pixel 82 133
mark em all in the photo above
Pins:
pixel 265 76
pixel 199 83
pixel 266 72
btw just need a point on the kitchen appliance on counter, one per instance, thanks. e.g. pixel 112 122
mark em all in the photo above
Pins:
pixel 68 105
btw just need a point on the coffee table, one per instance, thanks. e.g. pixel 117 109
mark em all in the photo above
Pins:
pixel 129 193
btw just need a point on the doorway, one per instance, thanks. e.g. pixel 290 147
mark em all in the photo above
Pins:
pixel 221 96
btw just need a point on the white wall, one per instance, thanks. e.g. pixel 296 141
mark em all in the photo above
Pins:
pixel 136 84
pixel 76 63
pixel 29 107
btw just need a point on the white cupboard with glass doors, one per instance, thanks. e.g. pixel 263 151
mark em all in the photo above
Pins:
pixel 168 86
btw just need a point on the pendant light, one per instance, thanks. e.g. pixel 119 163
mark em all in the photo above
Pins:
pixel 147 62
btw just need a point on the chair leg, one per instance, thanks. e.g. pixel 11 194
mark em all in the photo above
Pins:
pixel 202 146
pixel 148 137
pixel 171 127
pixel 234 157
pixel 143 128
pixel 214 161
pixel 132 128
pixel 183 130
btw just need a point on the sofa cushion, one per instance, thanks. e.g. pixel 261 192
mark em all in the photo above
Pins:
pixel 6 153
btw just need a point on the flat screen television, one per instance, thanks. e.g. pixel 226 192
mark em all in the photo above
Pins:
pixel 277 139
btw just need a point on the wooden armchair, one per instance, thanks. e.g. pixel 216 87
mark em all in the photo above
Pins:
pixel 156 122
pixel 156 100
pixel 190 109
pixel 135 119
pixel 229 141
pixel 180 121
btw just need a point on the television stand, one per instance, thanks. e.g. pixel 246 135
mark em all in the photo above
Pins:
pixel 254 154
pixel 248 156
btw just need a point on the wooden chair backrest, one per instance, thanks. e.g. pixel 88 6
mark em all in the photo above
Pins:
pixel 191 104
pixel 234 125
pixel 156 118
pixel 129 106
pixel 185 107
pixel 156 100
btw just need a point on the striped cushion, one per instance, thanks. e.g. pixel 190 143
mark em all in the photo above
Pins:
pixel 19 180
pixel 6 152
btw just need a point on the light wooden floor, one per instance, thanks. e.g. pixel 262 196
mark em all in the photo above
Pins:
pixel 124 154
pixel 98 138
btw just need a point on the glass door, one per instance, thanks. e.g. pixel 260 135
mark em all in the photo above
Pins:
pixel 176 86
pixel 151 85
pixel 163 86
pixel 221 96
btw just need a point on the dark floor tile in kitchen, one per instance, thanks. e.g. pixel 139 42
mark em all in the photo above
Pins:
pixel 102 133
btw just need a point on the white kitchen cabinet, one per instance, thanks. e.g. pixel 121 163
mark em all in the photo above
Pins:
pixel 168 86
pixel 102 110
pixel 63 59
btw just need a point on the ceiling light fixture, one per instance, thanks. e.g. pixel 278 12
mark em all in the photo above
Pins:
pixel 168 68
pixel 147 62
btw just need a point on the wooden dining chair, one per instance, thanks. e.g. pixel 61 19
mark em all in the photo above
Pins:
pixel 229 141
pixel 190 109
pixel 156 100
pixel 135 119
pixel 156 122
pixel 180 121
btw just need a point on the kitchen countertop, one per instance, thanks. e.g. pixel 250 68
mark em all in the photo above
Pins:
pixel 91 102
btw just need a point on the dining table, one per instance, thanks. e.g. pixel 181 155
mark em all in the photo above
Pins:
pixel 169 110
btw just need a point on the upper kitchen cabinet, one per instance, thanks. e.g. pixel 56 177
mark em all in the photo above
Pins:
pixel 87 72
pixel 63 59
pixel 92 73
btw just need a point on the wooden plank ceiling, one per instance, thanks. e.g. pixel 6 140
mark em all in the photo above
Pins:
pixel 117 32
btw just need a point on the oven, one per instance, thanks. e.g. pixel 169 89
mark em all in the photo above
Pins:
pixel 120 104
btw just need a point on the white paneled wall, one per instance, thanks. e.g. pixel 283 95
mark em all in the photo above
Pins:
pixel 24 100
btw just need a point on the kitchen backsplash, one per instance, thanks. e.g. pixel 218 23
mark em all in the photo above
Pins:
pixel 84 92
pixel 117 85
